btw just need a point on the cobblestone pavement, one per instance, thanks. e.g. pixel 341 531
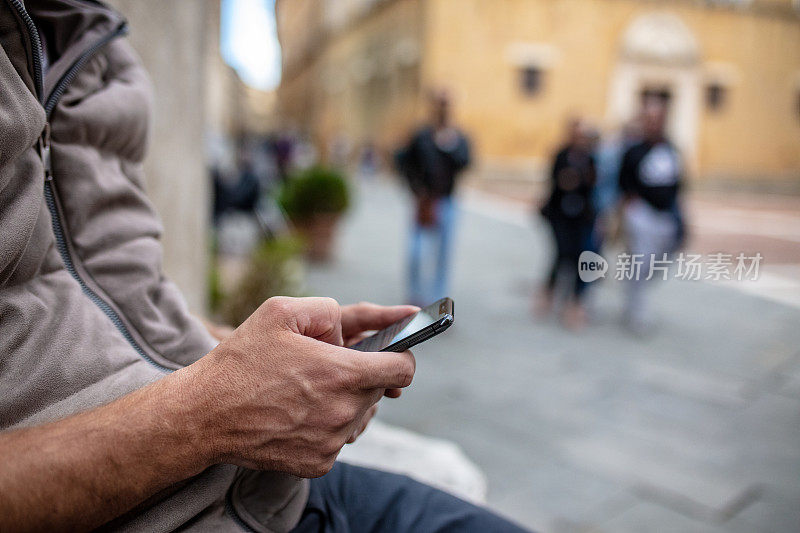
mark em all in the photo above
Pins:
pixel 696 428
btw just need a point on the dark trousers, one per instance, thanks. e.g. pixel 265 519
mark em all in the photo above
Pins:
pixel 572 236
pixel 352 499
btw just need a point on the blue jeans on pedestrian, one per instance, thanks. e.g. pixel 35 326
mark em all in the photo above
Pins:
pixel 430 250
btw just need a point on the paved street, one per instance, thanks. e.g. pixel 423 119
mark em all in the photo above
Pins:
pixel 694 429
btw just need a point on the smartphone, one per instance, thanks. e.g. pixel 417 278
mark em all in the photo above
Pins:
pixel 412 330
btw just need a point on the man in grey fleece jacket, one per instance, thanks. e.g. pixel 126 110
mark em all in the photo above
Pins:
pixel 117 409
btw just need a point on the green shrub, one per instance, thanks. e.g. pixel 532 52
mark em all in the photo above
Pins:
pixel 275 269
pixel 316 190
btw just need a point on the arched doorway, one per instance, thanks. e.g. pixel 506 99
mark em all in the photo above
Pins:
pixel 659 57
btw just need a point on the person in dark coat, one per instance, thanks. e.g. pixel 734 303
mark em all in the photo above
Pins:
pixel 431 163
pixel 570 213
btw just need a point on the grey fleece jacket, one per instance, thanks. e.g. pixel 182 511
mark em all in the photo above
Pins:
pixel 86 314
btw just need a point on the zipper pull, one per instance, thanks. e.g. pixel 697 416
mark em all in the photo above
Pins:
pixel 44 152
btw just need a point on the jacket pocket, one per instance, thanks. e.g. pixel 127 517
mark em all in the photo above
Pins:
pixel 267 502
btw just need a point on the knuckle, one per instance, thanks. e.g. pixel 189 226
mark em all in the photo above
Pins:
pixel 339 375
pixel 327 310
pixel 279 305
pixel 342 373
pixel 333 308
pixel 330 448
pixel 349 376
pixel 339 419
pixel 328 303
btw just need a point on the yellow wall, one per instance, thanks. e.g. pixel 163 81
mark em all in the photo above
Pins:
pixel 759 134
pixel 464 44
pixel 756 135
pixel 381 107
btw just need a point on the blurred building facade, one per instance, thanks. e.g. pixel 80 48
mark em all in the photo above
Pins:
pixel 730 70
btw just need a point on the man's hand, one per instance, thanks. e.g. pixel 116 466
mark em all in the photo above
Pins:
pixel 281 393
pixel 357 320
pixel 360 318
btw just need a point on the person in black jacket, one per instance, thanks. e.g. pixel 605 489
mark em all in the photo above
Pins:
pixel 569 210
pixel 650 180
pixel 431 163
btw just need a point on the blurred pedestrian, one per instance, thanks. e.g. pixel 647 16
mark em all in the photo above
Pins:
pixel 283 146
pixel 650 179
pixel 369 161
pixel 238 190
pixel 606 195
pixel 431 161
pixel 570 212
pixel 340 151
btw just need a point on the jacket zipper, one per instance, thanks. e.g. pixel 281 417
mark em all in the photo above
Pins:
pixel 44 152
pixel 73 70
pixel 49 104
pixel 33 34
pixel 66 257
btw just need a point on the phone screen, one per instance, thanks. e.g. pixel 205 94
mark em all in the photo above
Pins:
pixel 402 329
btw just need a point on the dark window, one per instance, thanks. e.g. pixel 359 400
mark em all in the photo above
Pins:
pixel 532 80
pixel 661 95
pixel 715 96
pixel 798 103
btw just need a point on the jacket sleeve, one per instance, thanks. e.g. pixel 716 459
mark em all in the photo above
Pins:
pixel 99 145
pixel 409 165
pixel 627 173
pixel 461 155
pixel 558 164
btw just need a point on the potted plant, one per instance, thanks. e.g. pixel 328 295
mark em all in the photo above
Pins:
pixel 274 269
pixel 314 200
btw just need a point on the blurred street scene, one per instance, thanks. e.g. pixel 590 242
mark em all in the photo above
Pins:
pixel 401 150
pixel 693 429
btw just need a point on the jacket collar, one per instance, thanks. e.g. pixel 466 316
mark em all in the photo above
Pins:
pixel 69 28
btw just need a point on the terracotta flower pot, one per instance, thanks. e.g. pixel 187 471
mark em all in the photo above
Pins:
pixel 318 232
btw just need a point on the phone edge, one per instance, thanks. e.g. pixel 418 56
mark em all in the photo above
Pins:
pixel 422 335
